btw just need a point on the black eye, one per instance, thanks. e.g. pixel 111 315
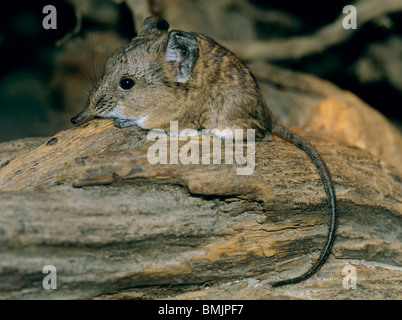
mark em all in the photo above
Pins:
pixel 127 83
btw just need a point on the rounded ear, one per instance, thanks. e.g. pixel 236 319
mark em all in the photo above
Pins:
pixel 153 23
pixel 182 52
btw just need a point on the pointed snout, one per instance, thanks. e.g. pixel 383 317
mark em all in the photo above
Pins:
pixel 80 118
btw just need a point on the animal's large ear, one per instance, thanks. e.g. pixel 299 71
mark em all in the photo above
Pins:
pixel 153 23
pixel 182 52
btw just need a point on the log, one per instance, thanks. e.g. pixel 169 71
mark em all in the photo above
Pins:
pixel 88 201
pixel 115 226
pixel 303 100
pixel 11 150
pixel 38 167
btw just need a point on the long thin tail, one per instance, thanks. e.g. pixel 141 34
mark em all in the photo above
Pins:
pixel 323 171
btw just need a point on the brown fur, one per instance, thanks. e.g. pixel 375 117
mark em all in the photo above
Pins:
pixel 210 99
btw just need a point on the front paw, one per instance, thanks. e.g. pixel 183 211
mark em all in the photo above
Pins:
pixel 123 123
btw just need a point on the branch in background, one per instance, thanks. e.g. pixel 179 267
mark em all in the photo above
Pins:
pixel 382 61
pixel 78 14
pixel 272 16
pixel 330 35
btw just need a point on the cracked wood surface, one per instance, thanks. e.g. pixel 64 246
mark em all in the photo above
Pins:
pixel 116 226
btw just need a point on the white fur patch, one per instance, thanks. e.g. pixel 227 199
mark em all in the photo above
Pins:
pixel 117 112
pixel 185 133
pixel 140 120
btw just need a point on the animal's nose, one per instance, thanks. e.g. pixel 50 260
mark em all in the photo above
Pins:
pixel 78 118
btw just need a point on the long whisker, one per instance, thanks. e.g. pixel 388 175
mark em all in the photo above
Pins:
pixel 93 58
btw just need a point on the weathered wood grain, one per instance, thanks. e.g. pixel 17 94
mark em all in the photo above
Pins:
pixel 119 227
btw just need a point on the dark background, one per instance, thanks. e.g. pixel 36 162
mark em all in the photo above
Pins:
pixel 32 102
